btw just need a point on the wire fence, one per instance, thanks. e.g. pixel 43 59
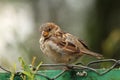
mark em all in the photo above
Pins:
pixel 79 66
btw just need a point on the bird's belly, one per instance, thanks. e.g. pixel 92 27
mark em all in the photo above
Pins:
pixel 57 55
pixel 61 58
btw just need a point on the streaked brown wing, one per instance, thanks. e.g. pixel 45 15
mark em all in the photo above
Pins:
pixel 83 44
pixel 65 45
pixel 68 47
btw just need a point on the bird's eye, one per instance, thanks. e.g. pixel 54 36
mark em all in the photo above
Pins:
pixel 49 29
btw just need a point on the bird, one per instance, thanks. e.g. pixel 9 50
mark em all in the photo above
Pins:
pixel 62 47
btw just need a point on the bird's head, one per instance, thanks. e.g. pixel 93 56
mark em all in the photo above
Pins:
pixel 48 29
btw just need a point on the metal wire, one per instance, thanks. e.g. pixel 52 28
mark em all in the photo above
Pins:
pixel 76 67
pixel 57 76
pixel 5 69
pixel 116 62
pixel 80 66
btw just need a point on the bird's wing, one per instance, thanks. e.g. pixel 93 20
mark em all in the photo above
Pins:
pixel 75 40
pixel 83 44
pixel 64 46
pixel 68 47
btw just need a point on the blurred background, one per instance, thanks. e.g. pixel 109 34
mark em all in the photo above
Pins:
pixel 97 22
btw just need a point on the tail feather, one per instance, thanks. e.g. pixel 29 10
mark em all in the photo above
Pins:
pixel 97 55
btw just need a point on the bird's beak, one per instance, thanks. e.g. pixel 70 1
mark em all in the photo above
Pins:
pixel 45 33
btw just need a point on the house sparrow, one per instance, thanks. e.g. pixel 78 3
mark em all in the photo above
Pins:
pixel 61 46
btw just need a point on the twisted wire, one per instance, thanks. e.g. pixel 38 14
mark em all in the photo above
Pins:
pixel 78 66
